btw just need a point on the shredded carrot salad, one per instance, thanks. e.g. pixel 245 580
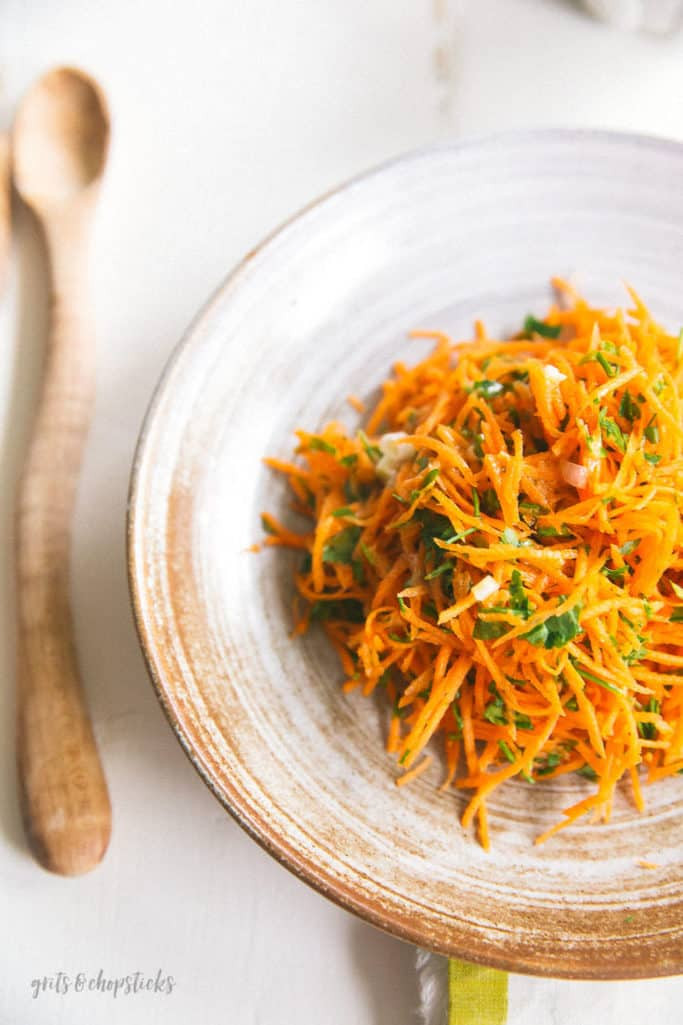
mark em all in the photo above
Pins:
pixel 501 550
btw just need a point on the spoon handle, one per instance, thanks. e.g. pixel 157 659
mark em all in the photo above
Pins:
pixel 5 207
pixel 64 798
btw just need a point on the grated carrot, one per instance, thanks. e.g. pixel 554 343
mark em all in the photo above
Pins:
pixel 508 565
pixel 415 772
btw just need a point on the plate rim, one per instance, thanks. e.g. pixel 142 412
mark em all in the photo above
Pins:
pixel 277 846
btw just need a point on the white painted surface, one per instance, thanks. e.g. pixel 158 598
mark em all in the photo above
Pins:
pixel 227 118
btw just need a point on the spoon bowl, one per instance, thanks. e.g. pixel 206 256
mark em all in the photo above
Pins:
pixel 61 137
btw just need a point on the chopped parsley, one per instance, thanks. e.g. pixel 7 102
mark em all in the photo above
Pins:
pixel 348 609
pixel 505 749
pixel 587 675
pixel 489 502
pixel 430 478
pixel 648 730
pixel 340 548
pixel 488 389
pixel 486 631
pixel 495 712
pixel 547 763
pixel 556 631
pixel 320 445
pixel 616 574
pixel 628 407
pixel 608 367
pixel 519 601
pixel 630 546
pixel 612 431
pixel 651 432
pixel 267 525
pixel 445 567
pixel 368 554
pixel 532 326
pixel 550 531
pixel 373 452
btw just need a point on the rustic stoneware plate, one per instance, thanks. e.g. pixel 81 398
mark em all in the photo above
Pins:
pixel 320 311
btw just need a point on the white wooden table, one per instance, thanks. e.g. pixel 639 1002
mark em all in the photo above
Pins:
pixel 228 116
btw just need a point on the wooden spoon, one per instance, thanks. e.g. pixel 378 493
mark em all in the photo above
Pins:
pixel 5 207
pixel 60 142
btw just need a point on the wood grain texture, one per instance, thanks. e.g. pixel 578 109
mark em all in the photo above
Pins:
pixel 64 797
pixel 5 207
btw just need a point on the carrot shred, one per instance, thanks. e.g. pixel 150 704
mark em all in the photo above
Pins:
pixel 356 403
pixel 502 553
pixel 415 772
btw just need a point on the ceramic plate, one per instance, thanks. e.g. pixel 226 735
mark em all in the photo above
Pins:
pixel 318 312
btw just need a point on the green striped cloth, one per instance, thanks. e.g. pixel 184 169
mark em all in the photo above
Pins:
pixel 476 995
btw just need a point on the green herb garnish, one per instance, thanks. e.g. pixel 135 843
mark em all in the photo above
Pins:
pixel 608 367
pixel 532 326
pixel 320 445
pixel 612 430
pixel 445 567
pixel 651 432
pixel 615 574
pixel 648 730
pixel 519 601
pixel 587 675
pixel 489 502
pixel 267 526
pixel 556 631
pixel 373 452
pixel 628 407
pixel 348 609
pixel 548 764
pixel 367 553
pixel 495 712
pixel 505 748
pixel 533 508
pixel 549 531
pixel 340 548
pixel 489 631
pixel 488 389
